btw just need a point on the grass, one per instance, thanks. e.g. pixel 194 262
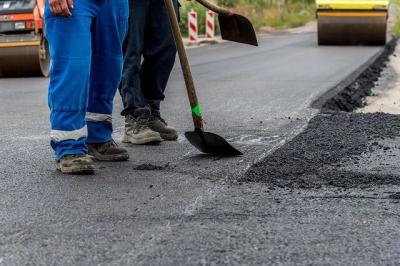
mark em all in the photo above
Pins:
pixel 396 29
pixel 396 26
pixel 293 14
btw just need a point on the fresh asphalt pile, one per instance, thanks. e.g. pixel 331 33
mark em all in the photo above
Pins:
pixel 329 152
pixel 313 159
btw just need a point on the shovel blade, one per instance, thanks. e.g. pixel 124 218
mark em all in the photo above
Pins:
pixel 211 143
pixel 237 28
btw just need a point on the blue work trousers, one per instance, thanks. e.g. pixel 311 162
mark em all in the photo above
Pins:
pixel 150 52
pixel 86 68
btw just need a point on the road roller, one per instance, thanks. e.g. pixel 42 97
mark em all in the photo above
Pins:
pixel 352 22
pixel 23 45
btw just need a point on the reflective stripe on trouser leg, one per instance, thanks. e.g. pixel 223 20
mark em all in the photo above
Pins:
pixel 60 136
pixel 100 127
pixel 93 117
pixel 69 142
pixel 106 67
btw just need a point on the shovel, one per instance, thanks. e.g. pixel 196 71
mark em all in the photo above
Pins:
pixel 233 27
pixel 206 142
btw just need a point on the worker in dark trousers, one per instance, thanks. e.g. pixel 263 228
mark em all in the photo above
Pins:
pixel 150 53
pixel 85 39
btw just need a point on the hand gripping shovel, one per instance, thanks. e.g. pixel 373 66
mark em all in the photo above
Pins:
pixel 204 141
pixel 233 27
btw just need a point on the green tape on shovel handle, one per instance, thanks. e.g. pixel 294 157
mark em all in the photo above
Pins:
pixel 197 110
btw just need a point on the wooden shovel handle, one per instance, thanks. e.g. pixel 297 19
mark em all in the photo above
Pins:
pixel 187 74
pixel 215 8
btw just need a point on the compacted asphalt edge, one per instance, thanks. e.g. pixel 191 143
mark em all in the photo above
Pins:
pixel 345 83
pixel 352 96
pixel 345 96
pixel 336 137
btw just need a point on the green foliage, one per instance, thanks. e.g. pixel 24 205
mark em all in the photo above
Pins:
pixel 396 29
pixel 291 15
pixel 228 3
pixel 272 13
pixel 267 4
pixel 396 25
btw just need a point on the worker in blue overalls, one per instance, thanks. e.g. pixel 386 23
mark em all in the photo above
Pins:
pixel 85 39
pixel 150 53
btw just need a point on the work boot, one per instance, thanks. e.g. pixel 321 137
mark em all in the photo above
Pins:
pixel 137 130
pixel 158 124
pixel 107 151
pixel 77 164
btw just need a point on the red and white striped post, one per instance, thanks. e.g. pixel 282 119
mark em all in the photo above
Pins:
pixel 193 28
pixel 210 25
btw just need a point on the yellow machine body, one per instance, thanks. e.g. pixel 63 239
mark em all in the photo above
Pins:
pixel 352 22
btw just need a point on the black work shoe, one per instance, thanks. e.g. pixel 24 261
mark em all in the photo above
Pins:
pixel 108 151
pixel 76 165
pixel 137 130
pixel 158 124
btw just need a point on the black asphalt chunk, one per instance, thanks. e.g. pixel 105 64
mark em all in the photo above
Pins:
pixel 151 167
pixel 314 158
pixel 395 196
pixel 352 97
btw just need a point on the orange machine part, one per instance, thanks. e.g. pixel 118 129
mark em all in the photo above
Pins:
pixel 37 14
pixel 17 17
pixel 25 57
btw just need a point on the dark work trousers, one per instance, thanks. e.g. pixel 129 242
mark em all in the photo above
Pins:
pixel 149 52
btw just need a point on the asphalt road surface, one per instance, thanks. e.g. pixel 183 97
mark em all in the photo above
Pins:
pixel 172 206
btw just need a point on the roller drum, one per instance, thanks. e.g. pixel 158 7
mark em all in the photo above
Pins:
pixel 348 30
pixel 25 60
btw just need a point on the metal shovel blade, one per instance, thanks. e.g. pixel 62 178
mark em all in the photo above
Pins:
pixel 211 143
pixel 237 28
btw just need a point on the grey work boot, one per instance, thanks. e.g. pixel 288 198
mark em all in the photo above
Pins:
pixel 158 124
pixel 108 151
pixel 137 130
pixel 76 165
